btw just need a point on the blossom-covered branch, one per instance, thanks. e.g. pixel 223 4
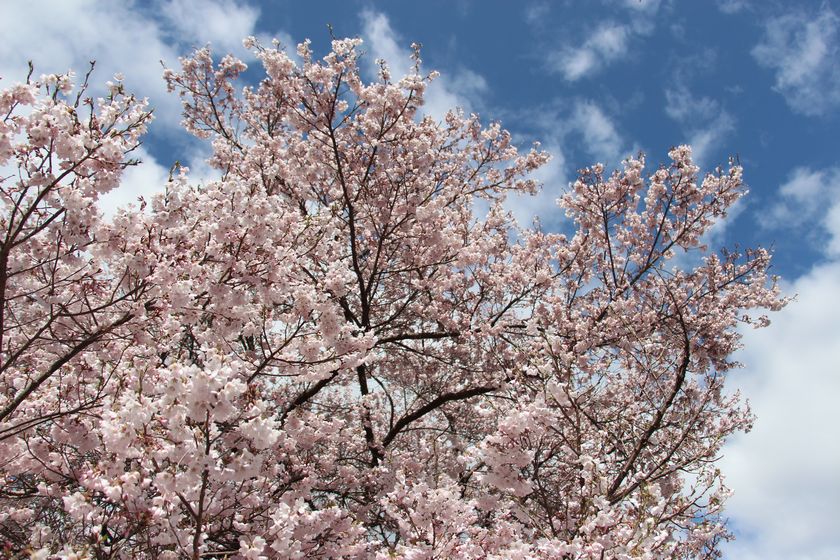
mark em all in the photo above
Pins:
pixel 345 347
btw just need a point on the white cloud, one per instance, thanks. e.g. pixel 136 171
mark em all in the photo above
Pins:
pixel 642 5
pixel 804 51
pixel 382 41
pixel 703 120
pixel 732 6
pixel 142 180
pixel 536 12
pixel 122 38
pixel 126 38
pixel 607 44
pixel 785 472
pixel 610 41
pixel 543 205
pixel 801 196
pixel 223 23
pixel 460 89
pixel 149 177
pixel 70 34
pixel 831 222
pixel 707 142
pixel 682 106
pixel 809 204
pixel 601 140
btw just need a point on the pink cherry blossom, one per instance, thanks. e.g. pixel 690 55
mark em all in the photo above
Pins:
pixel 331 352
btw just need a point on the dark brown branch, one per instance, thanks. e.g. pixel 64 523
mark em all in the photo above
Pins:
pixel 431 406
pixel 58 364
pixel 613 495
pixel 306 395
pixel 419 336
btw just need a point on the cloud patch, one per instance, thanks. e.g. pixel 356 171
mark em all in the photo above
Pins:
pixel 784 472
pixel 809 204
pixel 536 13
pixel 543 206
pixel 703 120
pixel 804 52
pixel 601 138
pixel 733 6
pixel 122 38
pixel 223 23
pixel 130 39
pixel 462 89
pixel 138 181
pixel 606 44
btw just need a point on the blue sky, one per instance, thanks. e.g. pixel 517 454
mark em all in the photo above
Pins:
pixel 593 81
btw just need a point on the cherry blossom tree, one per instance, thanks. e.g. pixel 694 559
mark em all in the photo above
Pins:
pixel 345 347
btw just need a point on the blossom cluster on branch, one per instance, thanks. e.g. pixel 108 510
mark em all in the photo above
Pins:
pixel 345 347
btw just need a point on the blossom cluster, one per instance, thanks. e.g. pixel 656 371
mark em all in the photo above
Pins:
pixel 332 352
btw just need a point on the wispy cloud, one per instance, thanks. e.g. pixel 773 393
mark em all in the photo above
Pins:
pixel 536 12
pixel 382 42
pixel 808 204
pixel 582 130
pixel 605 45
pixel 125 38
pixel 644 6
pixel 684 107
pixel 121 38
pixel 784 472
pixel 707 142
pixel 543 206
pixel 600 136
pixel 223 23
pixel 733 6
pixel 703 120
pixel 804 51
pixel 462 89
pixel 72 33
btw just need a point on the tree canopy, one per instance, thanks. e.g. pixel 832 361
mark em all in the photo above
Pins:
pixel 346 347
